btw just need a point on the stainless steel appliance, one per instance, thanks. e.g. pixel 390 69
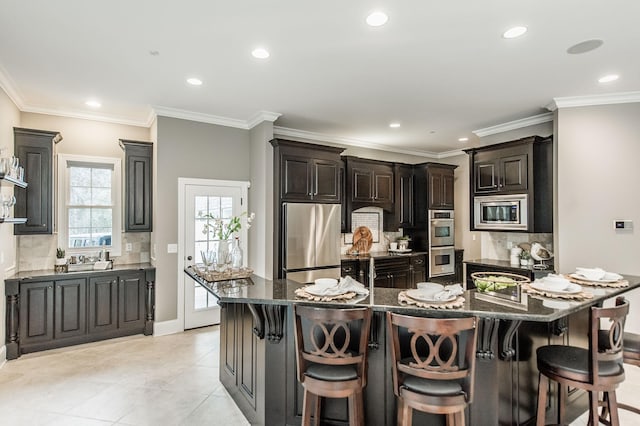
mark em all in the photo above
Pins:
pixel 311 241
pixel 441 261
pixel 441 228
pixel 441 240
pixel 500 212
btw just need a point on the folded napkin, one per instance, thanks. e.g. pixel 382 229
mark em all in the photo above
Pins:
pixel 448 292
pixel 345 285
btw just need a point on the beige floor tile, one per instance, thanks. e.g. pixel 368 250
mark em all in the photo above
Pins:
pixel 216 410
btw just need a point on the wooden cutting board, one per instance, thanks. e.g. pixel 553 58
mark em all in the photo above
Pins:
pixel 362 240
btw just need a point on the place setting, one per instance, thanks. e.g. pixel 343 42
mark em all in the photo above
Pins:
pixel 331 289
pixel 433 296
pixel 556 287
pixel 597 277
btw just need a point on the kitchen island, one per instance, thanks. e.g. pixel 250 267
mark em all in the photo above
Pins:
pixel 257 355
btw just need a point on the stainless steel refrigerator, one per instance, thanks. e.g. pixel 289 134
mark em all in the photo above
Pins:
pixel 311 241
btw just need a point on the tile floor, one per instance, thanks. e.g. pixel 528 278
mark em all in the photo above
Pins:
pixel 138 380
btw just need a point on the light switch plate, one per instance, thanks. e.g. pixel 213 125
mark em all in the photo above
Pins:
pixel 622 224
pixel 172 248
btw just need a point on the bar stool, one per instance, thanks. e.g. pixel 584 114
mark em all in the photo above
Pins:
pixel 631 355
pixel 330 362
pixel 433 365
pixel 597 369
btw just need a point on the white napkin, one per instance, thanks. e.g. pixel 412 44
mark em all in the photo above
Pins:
pixel 448 292
pixel 347 284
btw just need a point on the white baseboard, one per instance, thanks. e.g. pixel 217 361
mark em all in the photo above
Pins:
pixel 3 355
pixel 163 328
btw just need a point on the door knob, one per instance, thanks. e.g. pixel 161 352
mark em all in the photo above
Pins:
pixel 189 258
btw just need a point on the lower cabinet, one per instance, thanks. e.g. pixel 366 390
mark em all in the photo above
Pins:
pixel 390 271
pixel 58 312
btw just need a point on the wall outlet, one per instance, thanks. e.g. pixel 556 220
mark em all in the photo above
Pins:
pixel 128 247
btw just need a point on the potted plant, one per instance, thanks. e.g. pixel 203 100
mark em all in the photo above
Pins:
pixel 403 242
pixel 524 258
pixel 61 261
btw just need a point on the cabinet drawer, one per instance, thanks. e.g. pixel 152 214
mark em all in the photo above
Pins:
pixel 419 261
pixel 391 264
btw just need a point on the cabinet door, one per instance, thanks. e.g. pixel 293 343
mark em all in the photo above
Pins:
pixel 138 205
pixel 131 301
pixel 295 178
pixel 418 270
pixel 513 171
pixel 36 312
pixel 383 279
pixel 349 268
pixel 447 191
pixel 404 197
pixel 486 176
pixel 103 303
pixel 383 185
pixel 435 190
pixel 400 279
pixel 70 312
pixel 326 181
pixel 34 150
pixel 362 181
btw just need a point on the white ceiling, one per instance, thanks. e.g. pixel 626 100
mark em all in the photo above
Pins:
pixel 440 68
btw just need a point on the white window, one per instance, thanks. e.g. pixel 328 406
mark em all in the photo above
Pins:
pixel 89 204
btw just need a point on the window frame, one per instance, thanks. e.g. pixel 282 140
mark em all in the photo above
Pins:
pixel 63 203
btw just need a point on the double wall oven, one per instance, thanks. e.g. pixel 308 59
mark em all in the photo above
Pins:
pixel 441 242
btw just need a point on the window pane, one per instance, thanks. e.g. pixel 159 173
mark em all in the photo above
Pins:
pixel 80 196
pixel 79 217
pixel 79 176
pixel 101 197
pixel 101 178
pixel 201 205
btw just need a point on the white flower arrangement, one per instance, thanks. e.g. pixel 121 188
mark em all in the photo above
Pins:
pixel 224 230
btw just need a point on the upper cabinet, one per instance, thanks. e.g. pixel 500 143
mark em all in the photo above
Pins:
pixel 440 189
pixel 524 167
pixel 369 183
pixel 308 173
pixel 404 195
pixel 34 149
pixel 138 189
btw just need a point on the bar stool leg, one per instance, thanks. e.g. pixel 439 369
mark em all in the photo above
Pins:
pixel 307 401
pixel 361 415
pixel 353 410
pixel 613 408
pixel 316 409
pixel 562 398
pixel 543 384
pixel 404 413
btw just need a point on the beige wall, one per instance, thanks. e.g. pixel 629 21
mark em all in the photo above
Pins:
pixel 188 149
pixel 598 149
pixel 9 118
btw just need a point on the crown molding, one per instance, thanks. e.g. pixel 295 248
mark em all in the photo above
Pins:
pixel 261 117
pixel 88 116
pixel 200 117
pixel 10 88
pixel 605 99
pixel 513 125
pixel 452 153
pixel 305 136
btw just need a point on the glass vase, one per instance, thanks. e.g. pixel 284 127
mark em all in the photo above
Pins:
pixel 223 258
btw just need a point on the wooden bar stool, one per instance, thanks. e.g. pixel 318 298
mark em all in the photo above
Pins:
pixel 631 355
pixel 433 363
pixel 597 369
pixel 330 363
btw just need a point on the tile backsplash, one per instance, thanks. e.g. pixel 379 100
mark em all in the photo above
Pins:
pixel 373 218
pixel 497 245
pixel 38 252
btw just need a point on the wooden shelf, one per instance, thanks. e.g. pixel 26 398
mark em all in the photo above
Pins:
pixel 13 220
pixel 14 181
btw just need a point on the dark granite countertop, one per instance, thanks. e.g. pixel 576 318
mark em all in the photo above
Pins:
pixel 506 264
pixel 50 274
pixel 281 292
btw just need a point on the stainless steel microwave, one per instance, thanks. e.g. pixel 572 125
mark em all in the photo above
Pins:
pixel 501 212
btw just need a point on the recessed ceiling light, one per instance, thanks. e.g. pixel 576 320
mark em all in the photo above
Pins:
pixel 608 78
pixel 394 125
pixel 463 139
pixel 377 19
pixel 260 53
pixel 514 32
pixel 93 104
pixel 194 81
pixel 585 46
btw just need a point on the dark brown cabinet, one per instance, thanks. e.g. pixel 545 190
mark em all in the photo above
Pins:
pixel 418 270
pixel 49 313
pixel 369 183
pixel 404 204
pixel 440 190
pixel 34 149
pixel 70 310
pixel 349 268
pixel 392 272
pixel 307 172
pixel 500 173
pixel 138 159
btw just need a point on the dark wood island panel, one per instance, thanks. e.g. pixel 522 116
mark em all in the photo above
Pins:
pixel 257 362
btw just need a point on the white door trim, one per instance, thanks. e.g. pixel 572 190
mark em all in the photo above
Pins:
pixel 182 186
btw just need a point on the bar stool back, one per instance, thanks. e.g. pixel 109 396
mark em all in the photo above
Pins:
pixel 331 363
pixel 597 369
pixel 433 363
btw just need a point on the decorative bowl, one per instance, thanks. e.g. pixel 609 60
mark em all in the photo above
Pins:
pixel 496 281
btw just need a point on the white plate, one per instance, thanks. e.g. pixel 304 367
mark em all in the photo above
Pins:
pixel 323 291
pixel 609 277
pixel 571 288
pixel 400 250
pixel 421 296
